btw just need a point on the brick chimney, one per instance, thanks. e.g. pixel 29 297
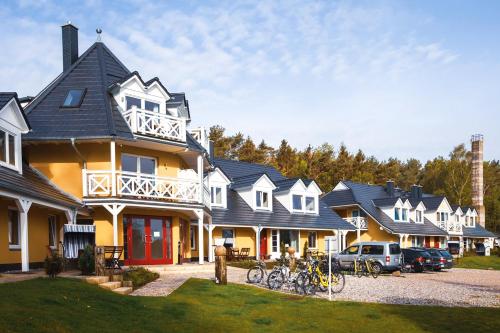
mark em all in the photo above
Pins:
pixel 69 45
pixel 477 176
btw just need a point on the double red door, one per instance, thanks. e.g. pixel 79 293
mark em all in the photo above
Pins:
pixel 149 240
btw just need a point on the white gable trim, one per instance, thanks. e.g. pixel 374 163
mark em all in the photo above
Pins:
pixel 19 124
pixel 144 87
pixel 314 186
pixel 340 186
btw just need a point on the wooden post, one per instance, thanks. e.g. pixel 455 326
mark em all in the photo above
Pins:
pixel 220 265
pixel 291 253
pixel 99 261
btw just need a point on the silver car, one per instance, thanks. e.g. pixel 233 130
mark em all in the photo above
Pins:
pixel 387 254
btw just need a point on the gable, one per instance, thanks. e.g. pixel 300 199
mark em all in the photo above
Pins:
pixel 445 206
pixel 340 186
pixel 218 177
pixel 264 182
pixel 12 119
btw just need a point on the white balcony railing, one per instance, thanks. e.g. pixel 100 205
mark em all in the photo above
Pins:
pixel 454 227
pixel 156 124
pixel 200 135
pixel 358 222
pixel 100 184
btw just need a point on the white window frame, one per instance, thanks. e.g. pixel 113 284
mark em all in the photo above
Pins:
pixel 315 208
pixel 404 214
pixel 234 235
pixel 213 196
pixel 315 239
pixel 52 219
pixel 269 199
pixel 399 214
pixel 7 161
pixel 275 234
pixel 14 246
pixel 139 163
pixel 301 202
pixel 192 237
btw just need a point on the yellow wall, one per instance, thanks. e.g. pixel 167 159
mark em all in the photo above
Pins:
pixel 245 237
pixel 104 227
pixel 38 233
pixel 61 164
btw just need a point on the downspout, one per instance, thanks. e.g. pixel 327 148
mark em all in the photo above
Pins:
pixel 73 144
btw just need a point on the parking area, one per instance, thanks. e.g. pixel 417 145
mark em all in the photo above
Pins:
pixel 455 287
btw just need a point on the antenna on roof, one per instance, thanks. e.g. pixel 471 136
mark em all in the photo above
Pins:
pixel 99 31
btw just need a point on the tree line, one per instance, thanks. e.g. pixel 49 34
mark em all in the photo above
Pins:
pixel 449 176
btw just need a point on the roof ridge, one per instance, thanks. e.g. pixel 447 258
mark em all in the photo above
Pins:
pixel 107 102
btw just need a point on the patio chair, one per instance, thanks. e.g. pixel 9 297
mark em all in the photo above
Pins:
pixel 244 253
pixel 112 256
pixel 232 253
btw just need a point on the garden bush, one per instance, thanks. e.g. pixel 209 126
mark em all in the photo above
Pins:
pixel 86 262
pixel 53 265
pixel 140 276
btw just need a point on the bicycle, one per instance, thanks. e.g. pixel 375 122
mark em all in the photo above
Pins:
pixel 279 274
pixel 256 274
pixel 366 266
pixel 316 277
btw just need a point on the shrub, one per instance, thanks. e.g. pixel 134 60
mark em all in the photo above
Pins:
pixel 140 276
pixel 53 265
pixel 304 250
pixel 86 262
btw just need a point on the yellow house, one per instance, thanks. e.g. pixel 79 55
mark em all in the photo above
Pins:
pixel 386 213
pixel 121 146
pixel 32 209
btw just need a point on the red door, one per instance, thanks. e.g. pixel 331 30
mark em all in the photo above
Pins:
pixel 427 242
pixel 263 244
pixel 149 240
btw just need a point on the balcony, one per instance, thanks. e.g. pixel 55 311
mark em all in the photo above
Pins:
pixel 101 184
pixel 155 124
pixel 358 222
pixel 200 135
pixel 454 227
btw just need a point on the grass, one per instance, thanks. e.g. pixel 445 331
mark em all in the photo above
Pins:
pixel 68 305
pixel 477 262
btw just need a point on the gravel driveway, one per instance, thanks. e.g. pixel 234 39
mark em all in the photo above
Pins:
pixel 455 287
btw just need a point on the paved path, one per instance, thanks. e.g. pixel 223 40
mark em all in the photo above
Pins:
pixel 456 287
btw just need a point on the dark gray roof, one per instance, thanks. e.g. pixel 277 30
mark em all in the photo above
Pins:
pixel 6 97
pixel 432 202
pixel 477 231
pixel 385 202
pixel 238 213
pixel 414 202
pixel 339 198
pixel 33 184
pixel 95 70
pixel 193 144
pixel 363 194
pixel 179 99
pixel 234 169
pixel 245 181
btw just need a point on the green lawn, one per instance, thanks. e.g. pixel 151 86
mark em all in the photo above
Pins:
pixel 491 262
pixel 67 305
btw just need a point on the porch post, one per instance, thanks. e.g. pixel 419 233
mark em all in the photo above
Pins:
pixel 210 243
pixel 199 161
pixel 113 168
pixel 115 209
pixel 199 214
pixel 406 240
pixel 344 240
pixel 358 233
pixel 461 245
pixel 401 240
pixel 24 206
pixel 257 241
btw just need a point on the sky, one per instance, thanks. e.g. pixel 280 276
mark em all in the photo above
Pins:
pixel 406 79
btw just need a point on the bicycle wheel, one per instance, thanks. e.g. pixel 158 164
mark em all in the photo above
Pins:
pixel 361 270
pixel 376 270
pixel 299 283
pixel 310 285
pixel 338 282
pixel 255 274
pixel 275 280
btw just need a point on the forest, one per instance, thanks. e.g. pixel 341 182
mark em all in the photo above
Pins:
pixel 327 165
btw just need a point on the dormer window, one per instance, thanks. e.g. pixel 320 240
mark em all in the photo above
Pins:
pixel 418 216
pixel 262 199
pixel 405 214
pixel 74 98
pixel 310 204
pixel 150 106
pixel 216 195
pixel 132 101
pixel 397 214
pixel 7 148
pixel 297 202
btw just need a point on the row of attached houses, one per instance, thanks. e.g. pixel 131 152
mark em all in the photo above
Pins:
pixel 413 218
pixel 102 156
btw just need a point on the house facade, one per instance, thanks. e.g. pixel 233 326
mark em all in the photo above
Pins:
pixel 386 213
pixel 254 206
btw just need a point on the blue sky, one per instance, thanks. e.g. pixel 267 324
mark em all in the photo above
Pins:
pixel 393 78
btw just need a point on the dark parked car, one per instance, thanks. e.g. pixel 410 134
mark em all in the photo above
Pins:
pixel 454 248
pixel 417 259
pixel 440 258
pixel 480 250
